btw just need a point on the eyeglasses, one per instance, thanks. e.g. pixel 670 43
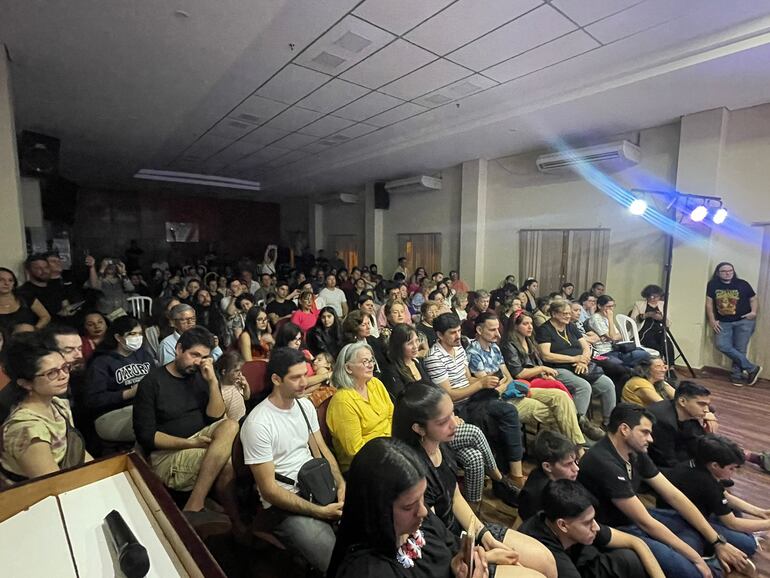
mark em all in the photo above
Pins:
pixel 367 362
pixel 185 320
pixel 55 373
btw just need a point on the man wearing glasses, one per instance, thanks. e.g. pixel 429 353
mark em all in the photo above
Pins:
pixel 731 310
pixel 182 318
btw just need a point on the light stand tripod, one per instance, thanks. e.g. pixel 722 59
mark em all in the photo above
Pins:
pixel 667 335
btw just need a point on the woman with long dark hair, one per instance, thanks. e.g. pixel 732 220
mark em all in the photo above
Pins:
pixel 469 444
pixel 529 289
pixel 14 310
pixel 114 372
pixel 256 340
pixel 386 530
pixel 424 420
pixel 37 436
pixel 326 336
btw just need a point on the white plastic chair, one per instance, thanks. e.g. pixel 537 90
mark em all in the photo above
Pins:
pixel 630 332
pixel 140 306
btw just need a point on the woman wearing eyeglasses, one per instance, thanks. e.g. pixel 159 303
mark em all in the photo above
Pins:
pixel 361 409
pixel 38 436
pixel 256 340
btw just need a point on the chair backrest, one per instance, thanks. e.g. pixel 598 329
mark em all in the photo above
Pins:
pixel 255 373
pixel 322 426
pixel 279 324
pixel 140 306
pixel 627 328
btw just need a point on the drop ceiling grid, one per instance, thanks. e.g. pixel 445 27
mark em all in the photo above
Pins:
pixel 317 81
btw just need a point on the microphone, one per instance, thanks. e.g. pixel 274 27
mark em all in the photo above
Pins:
pixel 132 556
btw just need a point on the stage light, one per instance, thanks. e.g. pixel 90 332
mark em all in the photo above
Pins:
pixel 638 207
pixel 699 213
pixel 720 216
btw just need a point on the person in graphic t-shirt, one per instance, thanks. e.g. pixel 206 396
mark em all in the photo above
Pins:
pixel 731 309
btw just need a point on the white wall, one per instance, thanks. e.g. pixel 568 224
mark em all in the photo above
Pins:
pixel 519 197
pixel 428 212
pixel 341 219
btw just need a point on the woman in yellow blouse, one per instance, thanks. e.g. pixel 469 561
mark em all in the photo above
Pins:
pixel 361 408
pixel 648 385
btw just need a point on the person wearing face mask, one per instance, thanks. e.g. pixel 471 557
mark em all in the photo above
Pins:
pixel 112 378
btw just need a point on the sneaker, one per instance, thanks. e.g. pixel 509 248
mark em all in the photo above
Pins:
pixel 764 461
pixel 737 381
pixel 589 429
pixel 207 523
pixel 506 491
pixel 754 375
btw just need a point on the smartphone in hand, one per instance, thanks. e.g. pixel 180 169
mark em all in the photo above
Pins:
pixel 467 545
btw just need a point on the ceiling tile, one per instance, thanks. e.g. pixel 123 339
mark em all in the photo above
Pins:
pixel 346 44
pixel 264 155
pixel 396 114
pixel 398 16
pixel 265 135
pixel 295 141
pixel 357 130
pixel 294 118
pixel 587 11
pixel 532 29
pixel 288 158
pixel 327 125
pixel 231 129
pixel 333 95
pixel 371 104
pixel 205 147
pixel 257 109
pixel 393 61
pixel 640 17
pixel 435 75
pixel 456 90
pixel 318 147
pixel 237 150
pixel 292 83
pixel 465 21
pixel 555 51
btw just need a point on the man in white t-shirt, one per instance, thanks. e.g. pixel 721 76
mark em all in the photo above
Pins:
pixel 332 296
pixel 276 440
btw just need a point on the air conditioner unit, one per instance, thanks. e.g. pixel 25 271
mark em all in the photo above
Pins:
pixel 338 198
pixel 611 156
pixel 413 185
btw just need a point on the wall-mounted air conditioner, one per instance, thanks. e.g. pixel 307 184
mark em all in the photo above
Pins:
pixel 413 185
pixel 338 198
pixel 611 156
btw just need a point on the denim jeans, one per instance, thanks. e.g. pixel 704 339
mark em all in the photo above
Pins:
pixel 733 341
pixel 311 538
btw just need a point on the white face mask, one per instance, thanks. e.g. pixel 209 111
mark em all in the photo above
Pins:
pixel 134 342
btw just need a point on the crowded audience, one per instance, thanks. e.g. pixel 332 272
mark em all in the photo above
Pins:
pixel 406 396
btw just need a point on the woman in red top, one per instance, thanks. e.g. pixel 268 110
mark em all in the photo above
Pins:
pixel 304 317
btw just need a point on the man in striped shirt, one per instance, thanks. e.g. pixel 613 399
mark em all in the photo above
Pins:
pixel 476 400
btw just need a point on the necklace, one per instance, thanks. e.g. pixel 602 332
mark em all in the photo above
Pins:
pixel 563 335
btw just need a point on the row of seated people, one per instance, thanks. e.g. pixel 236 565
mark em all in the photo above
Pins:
pixel 186 396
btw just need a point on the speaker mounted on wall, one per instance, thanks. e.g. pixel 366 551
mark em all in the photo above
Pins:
pixel 381 196
pixel 38 154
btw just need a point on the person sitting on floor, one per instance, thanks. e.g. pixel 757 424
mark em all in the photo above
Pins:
pixel 582 547
pixel 424 419
pixel 277 438
pixel 702 481
pixel 613 471
pixel 180 423
pixel 112 379
pixel 557 459
pixel 648 384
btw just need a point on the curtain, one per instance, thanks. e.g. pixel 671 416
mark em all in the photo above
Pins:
pixel 421 250
pixel 347 245
pixel 587 258
pixel 761 355
pixel 540 256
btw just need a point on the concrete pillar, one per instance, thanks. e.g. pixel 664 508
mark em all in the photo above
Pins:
pixel 473 216
pixel 373 230
pixel 12 243
pixel 315 220
pixel 701 146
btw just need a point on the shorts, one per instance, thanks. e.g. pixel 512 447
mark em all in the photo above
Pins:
pixel 178 469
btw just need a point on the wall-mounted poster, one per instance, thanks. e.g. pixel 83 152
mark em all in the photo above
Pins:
pixel 181 232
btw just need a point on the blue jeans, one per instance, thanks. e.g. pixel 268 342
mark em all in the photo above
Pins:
pixel 733 341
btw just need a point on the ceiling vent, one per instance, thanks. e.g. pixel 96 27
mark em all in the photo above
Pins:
pixel 611 156
pixel 413 185
pixel 328 60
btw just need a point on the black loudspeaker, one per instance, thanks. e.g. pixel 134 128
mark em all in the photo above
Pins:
pixel 58 198
pixel 38 154
pixel 381 196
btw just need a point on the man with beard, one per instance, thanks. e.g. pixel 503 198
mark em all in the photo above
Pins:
pixel 38 286
pixel 179 420
pixel 183 317
pixel 613 471
pixel 209 315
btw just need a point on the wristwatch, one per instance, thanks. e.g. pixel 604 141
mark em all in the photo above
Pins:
pixel 720 540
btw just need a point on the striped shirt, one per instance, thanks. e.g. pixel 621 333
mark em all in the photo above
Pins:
pixel 442 366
